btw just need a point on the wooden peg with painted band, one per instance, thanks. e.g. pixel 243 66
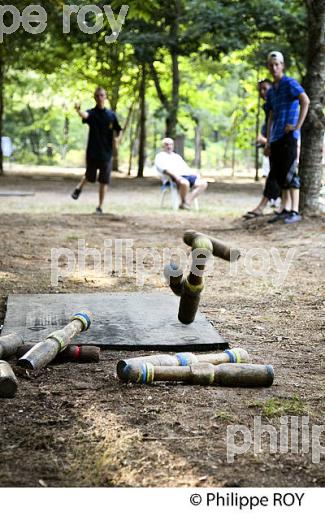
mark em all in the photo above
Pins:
pixel 79 354
pixel 127 366
pixel 219 250
pixel 190 288
pixel 174 277
pixel 10 344
pixel 44 352
pixel 8 381
pixel 234 375
pixel 194 283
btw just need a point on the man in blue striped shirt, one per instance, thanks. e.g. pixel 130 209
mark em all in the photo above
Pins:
pixel 288 105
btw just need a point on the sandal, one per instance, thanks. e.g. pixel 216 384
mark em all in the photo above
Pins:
pixel 252 214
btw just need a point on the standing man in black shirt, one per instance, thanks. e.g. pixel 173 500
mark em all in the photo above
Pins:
pixel 102 125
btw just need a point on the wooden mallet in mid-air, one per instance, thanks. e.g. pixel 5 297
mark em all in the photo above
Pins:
pixel 189 288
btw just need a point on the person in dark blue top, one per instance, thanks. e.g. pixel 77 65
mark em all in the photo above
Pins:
pixel 288 105
pixel 103 125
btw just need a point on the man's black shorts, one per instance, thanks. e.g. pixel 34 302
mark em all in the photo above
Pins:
pixel 271 189
pixel 283 162
pixel 104 167
pixel 191 179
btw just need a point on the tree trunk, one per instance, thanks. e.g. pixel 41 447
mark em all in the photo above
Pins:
pixel 155 138
pixel 134 131
pixel 113 102
pixel 179 145
pixel 128 121
pixel 34 137
pixel 258 116
pixel 226 151
pixel 171 120
pixel 1 105
pixel 198 145
pixel 143 117
pixel 66 130
pixel 313 129
pixel 233 155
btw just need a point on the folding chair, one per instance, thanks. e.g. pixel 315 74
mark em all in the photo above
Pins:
pixel 169 187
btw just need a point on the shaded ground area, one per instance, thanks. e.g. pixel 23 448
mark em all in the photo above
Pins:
pixel 76 425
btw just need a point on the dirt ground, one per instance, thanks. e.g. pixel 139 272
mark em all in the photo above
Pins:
pixel 77 425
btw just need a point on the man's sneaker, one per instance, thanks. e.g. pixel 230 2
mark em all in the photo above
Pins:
pixel 292 218
pixel 279 216
pixel 75 194
pixel 99 211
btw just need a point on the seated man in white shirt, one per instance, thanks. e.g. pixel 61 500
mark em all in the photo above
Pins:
pixel 172 166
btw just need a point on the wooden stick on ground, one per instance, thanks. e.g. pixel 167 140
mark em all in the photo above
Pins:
pixel 79 354
pixel 8 380
pixel 125 366
pixel 44 352
pixel 9 345
pixel 235 375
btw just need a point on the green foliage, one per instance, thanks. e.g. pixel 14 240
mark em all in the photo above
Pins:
pixel 220 49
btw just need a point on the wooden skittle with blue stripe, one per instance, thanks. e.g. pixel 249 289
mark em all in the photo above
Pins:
pixel 233 375
pixel 44 352
pixel 127 367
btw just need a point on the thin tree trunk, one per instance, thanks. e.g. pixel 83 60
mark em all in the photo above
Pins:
pixel 114 97
pixel 171 120
pixel 34 134
pixel 155 138
pixel 179 145
pixel 233 155
pixel 258 116
pixel 134 131
pixel 225 152
pixel 66 130
pixel 171 105
pixel 313 130
pixel 231 140
pixel 129 119
pixel 1 105
pixel 143 118
pixel 198 146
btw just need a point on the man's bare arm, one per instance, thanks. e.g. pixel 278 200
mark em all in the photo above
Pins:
pixel 82 114
pixel 304 106
pixel 174 178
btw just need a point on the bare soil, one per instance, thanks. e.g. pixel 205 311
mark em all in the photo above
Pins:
pixel 77 425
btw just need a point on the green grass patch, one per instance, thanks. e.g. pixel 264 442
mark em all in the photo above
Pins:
pixel 223 415
pixel 276 407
